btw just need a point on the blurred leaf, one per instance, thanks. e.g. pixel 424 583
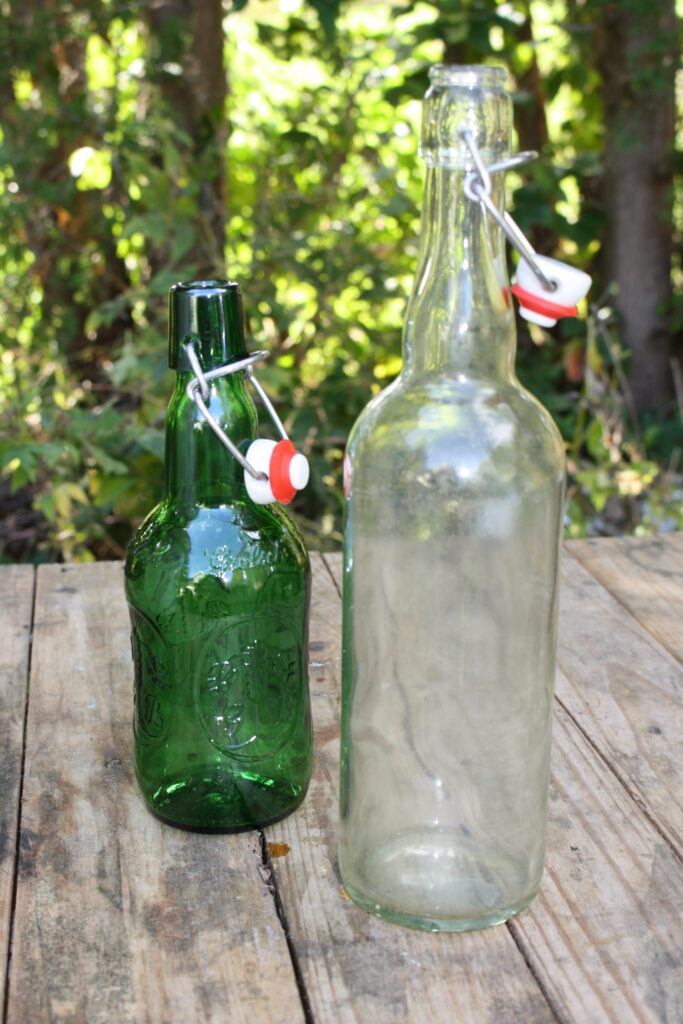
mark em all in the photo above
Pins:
pixel 105 461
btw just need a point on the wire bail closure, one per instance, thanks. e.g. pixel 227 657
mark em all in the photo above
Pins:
pixel 559 286
pixel 477 187
pixel 198 391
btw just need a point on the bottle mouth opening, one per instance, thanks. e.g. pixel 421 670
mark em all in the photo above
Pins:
pixel 468 75
pixel 205 286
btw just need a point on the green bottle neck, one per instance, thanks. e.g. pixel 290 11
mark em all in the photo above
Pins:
pixel 200 471
pixel 459 319
pixel 208 314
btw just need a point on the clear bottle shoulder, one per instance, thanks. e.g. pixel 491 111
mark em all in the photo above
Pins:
pixel 473 430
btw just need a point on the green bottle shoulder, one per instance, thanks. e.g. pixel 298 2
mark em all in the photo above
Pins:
pixel 186 543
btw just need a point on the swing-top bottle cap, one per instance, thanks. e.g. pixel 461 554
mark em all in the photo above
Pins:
pixel 210 314
pixel 547 307
pixel 284 470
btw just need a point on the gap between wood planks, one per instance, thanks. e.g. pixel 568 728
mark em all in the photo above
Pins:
pixel 524 953
pixel 20 794
pixel 638 801
pixel 575 552
pixel 330 573
pixel 270 879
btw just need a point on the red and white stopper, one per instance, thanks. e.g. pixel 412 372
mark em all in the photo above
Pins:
pixel 286 469
pixel 544 307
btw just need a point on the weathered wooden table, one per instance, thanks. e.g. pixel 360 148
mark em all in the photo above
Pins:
pixel 109 915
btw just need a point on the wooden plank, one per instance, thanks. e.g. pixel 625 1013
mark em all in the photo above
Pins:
pixel 16 603
pixel 625 691
pixel 118 917
pixel 604 933
pixel 645 574
pixel 356 967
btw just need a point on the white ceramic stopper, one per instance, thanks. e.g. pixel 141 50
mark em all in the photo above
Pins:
pixel 287 471
pixel 258 456
pixel 572 285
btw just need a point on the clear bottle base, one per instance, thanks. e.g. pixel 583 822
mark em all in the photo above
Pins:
pixel 440 881
pixel 437 924
pixel 216 800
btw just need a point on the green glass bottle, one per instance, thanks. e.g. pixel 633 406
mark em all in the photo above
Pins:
pixel 219 591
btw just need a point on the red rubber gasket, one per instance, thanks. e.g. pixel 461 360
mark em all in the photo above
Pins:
pixel 537 304
pixel 278 471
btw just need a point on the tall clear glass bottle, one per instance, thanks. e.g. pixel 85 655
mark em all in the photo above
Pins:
pixel 455 480
pixel 219 591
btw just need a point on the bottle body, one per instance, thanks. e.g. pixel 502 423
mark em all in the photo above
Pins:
pixel 450 609
pixel 219 611
pixel 453 518
pixel 219 591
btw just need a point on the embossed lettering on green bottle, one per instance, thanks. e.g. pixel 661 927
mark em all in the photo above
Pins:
pixel 219 593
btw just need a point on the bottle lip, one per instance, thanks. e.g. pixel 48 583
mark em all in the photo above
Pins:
pixel 205 287
pixel 468 75
pixel 471 97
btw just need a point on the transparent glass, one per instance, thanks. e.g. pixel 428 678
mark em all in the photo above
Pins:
pixel 219 591
pixel 453 518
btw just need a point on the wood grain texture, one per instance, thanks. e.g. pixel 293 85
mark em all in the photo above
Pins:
pixel 625 691
pixel 118 917
pixel 645 574
pixel 121 919
pixel 357 968
pixel 604 933
pixel 16 603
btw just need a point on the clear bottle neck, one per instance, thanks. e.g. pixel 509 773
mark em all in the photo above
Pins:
pixel 459 320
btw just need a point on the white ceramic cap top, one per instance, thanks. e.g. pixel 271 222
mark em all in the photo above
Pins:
pixel 547 307
pixel 299 471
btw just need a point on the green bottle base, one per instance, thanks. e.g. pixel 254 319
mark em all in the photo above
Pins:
pixel 216 800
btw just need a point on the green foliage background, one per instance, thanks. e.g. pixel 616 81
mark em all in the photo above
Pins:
pixel 101 210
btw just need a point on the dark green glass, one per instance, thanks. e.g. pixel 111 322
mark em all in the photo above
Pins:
pixel 219 591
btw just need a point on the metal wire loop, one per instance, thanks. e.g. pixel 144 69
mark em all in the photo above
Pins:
pixel 197 370
pixel 198 391
pixel 481 173
pixel 477 188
